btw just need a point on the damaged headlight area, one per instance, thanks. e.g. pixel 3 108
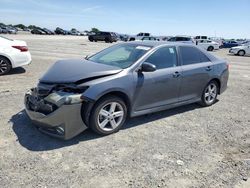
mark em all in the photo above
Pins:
pixel 55 97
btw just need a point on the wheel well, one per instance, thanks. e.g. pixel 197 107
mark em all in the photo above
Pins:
pixel 88 106
pixel 119 94
pixel 210 47
pixel 7 59
pixel 242 51
pixel 218 82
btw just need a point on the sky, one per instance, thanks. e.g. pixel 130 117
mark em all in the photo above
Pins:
pixel 220 18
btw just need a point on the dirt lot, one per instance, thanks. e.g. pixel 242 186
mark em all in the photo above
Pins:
pixel 183 147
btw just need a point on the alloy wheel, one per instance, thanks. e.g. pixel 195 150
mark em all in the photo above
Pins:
pixel 210 93
pixel 3 66
pixel 110 116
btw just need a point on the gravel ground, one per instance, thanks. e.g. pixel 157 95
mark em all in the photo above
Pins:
pixel 184 147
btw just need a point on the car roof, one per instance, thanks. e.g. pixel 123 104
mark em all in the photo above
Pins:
pixel 158 43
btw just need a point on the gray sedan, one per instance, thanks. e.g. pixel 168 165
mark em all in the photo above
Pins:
pixel 125 80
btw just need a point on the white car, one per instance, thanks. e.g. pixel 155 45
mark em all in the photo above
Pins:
pixel 139 36
pixel 13 53
pixel 208 45
pixel 240 50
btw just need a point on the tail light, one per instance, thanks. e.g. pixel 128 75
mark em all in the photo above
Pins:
pixel 21 48
pixel 228 66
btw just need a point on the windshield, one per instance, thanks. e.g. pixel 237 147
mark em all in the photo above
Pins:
pixel 121 56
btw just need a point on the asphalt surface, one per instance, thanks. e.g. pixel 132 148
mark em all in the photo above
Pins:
pixel 188 146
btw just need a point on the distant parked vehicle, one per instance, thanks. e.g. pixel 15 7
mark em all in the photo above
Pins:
pixel 208 45
pixel 75 32
pixel 149 39
pixel 38 32
pixel 123 37
pixel 229 44
pixel 183 39
pixel 10 30
pixel 240 50
pixel 103 36
pixel 60 31
pixel 200 37
pixel 48 32
pixel 13 53
pixel 139 36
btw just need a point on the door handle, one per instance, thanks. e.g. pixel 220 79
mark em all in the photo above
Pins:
pixel 176 74
pixel 208 68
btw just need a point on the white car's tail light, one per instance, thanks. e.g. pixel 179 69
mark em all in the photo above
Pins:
pixel 21 48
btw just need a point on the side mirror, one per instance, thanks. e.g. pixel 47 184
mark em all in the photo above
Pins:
pixel 147 67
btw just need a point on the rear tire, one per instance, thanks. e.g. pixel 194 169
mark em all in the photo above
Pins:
pixel 241 53
pixel 210 48
pixel 5 65
pixel 91 39
pixel 210 93
pixel 107 40
pixel 108 115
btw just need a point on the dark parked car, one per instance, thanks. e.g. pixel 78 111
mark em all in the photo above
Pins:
pixel 60 31
pixel 149 39
pixel 184 39
pixel 103 36
pixel 125 80
pixel 229 44
pixel 48 32
pixel 38 32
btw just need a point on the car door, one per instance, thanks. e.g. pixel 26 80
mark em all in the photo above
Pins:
pixel 248 50
pixel 160 87
pixel 196 70
pixel 202 44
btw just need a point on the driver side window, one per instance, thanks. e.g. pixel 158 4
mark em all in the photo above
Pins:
pixel 164 57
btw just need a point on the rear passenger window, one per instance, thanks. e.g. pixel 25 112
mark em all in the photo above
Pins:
pixel 164 57
pixel 191 55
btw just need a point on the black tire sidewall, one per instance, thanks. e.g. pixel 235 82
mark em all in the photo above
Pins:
pixel 8 65
pixel 95 111
pixel 241 51
pixel 210 48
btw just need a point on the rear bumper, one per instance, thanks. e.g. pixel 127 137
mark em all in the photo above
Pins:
pixel 21 59
pixel 224 80
pixel 65 122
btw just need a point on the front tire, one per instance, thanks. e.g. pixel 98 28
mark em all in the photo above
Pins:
pixel 108 115
pixel 210 93
pixel 241 53
pixel 5 65
pixel 91 39
pixel 210 48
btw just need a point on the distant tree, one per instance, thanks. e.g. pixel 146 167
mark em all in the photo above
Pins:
pixel 73 29
pixel 33 27
pixel 2 24
pixel 94 30
pixel 20 26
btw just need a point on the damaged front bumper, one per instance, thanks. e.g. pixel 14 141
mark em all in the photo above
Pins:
pixel 58 114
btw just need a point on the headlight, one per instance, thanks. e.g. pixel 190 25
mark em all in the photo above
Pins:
pixel 61 98
pixel 73 99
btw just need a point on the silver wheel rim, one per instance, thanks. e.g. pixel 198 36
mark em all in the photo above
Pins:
pixel 3 66
pixel 110 116
pixel 210 93
pixel 241 53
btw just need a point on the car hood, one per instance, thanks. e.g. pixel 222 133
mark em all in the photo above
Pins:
pixel 239 47
pixel 72 71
